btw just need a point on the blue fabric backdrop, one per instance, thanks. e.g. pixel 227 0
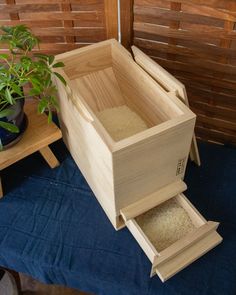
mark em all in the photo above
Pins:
pixel 52 228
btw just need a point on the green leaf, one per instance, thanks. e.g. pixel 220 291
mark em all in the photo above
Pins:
pixel 9 127
pixel 42 105
pixel 59 76
pixel 51 59
pixel 35 80
pixel 5 113
pixel 8 96
pixel 17 89
pixel 58 65
pixel 42 56
pixel 3 85
pixel 6 29
pixel 49 116
pixel 34 91
pixel 4 56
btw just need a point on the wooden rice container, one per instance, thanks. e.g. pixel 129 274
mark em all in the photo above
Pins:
pixel 130 176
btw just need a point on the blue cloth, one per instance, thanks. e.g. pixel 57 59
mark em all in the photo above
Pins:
pixel 52 228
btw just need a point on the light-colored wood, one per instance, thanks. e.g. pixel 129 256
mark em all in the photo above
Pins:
pixel 49 157
pixel 1 189
pixel 134 167
pixel 89 151
pixel 170 84
pixel 186 242
pixel 147 165
pixel 194 152
pixel 142 239
pixel 137 173
pixel 191 254
pixel 164 78
pixel 82 61
pixel 153 200
pixel 137 166
pixel 142 93
pixel 203 230
pixel 38 135
pixel 100 89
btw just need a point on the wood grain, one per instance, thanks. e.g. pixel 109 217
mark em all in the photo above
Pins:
pixel 186 250
pixel 128 170
pixel 126 11
pixel 38 135
pixel 195 41
pixel 63 23
pixel 111 17
pixel 49 157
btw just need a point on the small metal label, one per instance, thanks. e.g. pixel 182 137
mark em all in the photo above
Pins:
pixel 180 166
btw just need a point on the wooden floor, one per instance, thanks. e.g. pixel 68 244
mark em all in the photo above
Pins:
pixel 32 287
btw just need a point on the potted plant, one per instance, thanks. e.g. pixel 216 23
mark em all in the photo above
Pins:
pixel 24 74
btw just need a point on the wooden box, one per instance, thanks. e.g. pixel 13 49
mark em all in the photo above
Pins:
pixel 138 172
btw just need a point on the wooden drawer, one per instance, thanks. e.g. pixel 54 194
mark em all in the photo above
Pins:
pixel 169 260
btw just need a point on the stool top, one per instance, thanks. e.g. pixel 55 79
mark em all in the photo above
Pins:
pixel 37 135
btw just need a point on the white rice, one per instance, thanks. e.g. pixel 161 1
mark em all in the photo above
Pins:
pixel 121 122
pixel 165 224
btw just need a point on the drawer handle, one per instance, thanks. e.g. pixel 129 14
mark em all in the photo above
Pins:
pixel 79 105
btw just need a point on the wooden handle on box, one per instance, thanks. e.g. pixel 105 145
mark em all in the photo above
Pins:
pixel 74 97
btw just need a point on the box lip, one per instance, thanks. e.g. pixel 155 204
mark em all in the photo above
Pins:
pixel 159 129
pixel 115 146
pixel 89 47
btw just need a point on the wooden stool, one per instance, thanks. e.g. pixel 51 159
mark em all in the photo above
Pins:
pixel 37 137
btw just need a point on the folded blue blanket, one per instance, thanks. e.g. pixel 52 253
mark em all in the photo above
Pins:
pixel 52 228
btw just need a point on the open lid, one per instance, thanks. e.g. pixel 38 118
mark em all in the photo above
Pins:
pixel 170 84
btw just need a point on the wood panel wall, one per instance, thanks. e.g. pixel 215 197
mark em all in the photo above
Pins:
pixel 196 41
pixel 193 39
pixel 63 25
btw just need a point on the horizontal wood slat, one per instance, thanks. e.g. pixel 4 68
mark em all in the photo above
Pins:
pixel 195 40
pixel 62 25
pixel 222 4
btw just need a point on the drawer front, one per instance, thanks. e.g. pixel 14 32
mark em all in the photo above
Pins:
pixel 176 256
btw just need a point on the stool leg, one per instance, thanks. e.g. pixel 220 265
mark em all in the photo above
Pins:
pixel 49 157
pixel 1 190
pixel 16 277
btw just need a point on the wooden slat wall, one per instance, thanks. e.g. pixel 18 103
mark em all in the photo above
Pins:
pixel 63 25
pixel 196 41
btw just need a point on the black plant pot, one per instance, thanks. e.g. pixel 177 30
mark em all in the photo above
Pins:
pixel 17 118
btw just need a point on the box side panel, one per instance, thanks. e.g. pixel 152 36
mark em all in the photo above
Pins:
pixel 89 152
pixel 148 165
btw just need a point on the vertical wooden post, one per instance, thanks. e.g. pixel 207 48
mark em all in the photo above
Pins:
pixel 111 17
pixel 127 19
pixel 175 6
pixel 66 7
pixel 13 16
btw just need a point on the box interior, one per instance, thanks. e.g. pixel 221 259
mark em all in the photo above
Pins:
pixel 169 222
pixel 108 78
